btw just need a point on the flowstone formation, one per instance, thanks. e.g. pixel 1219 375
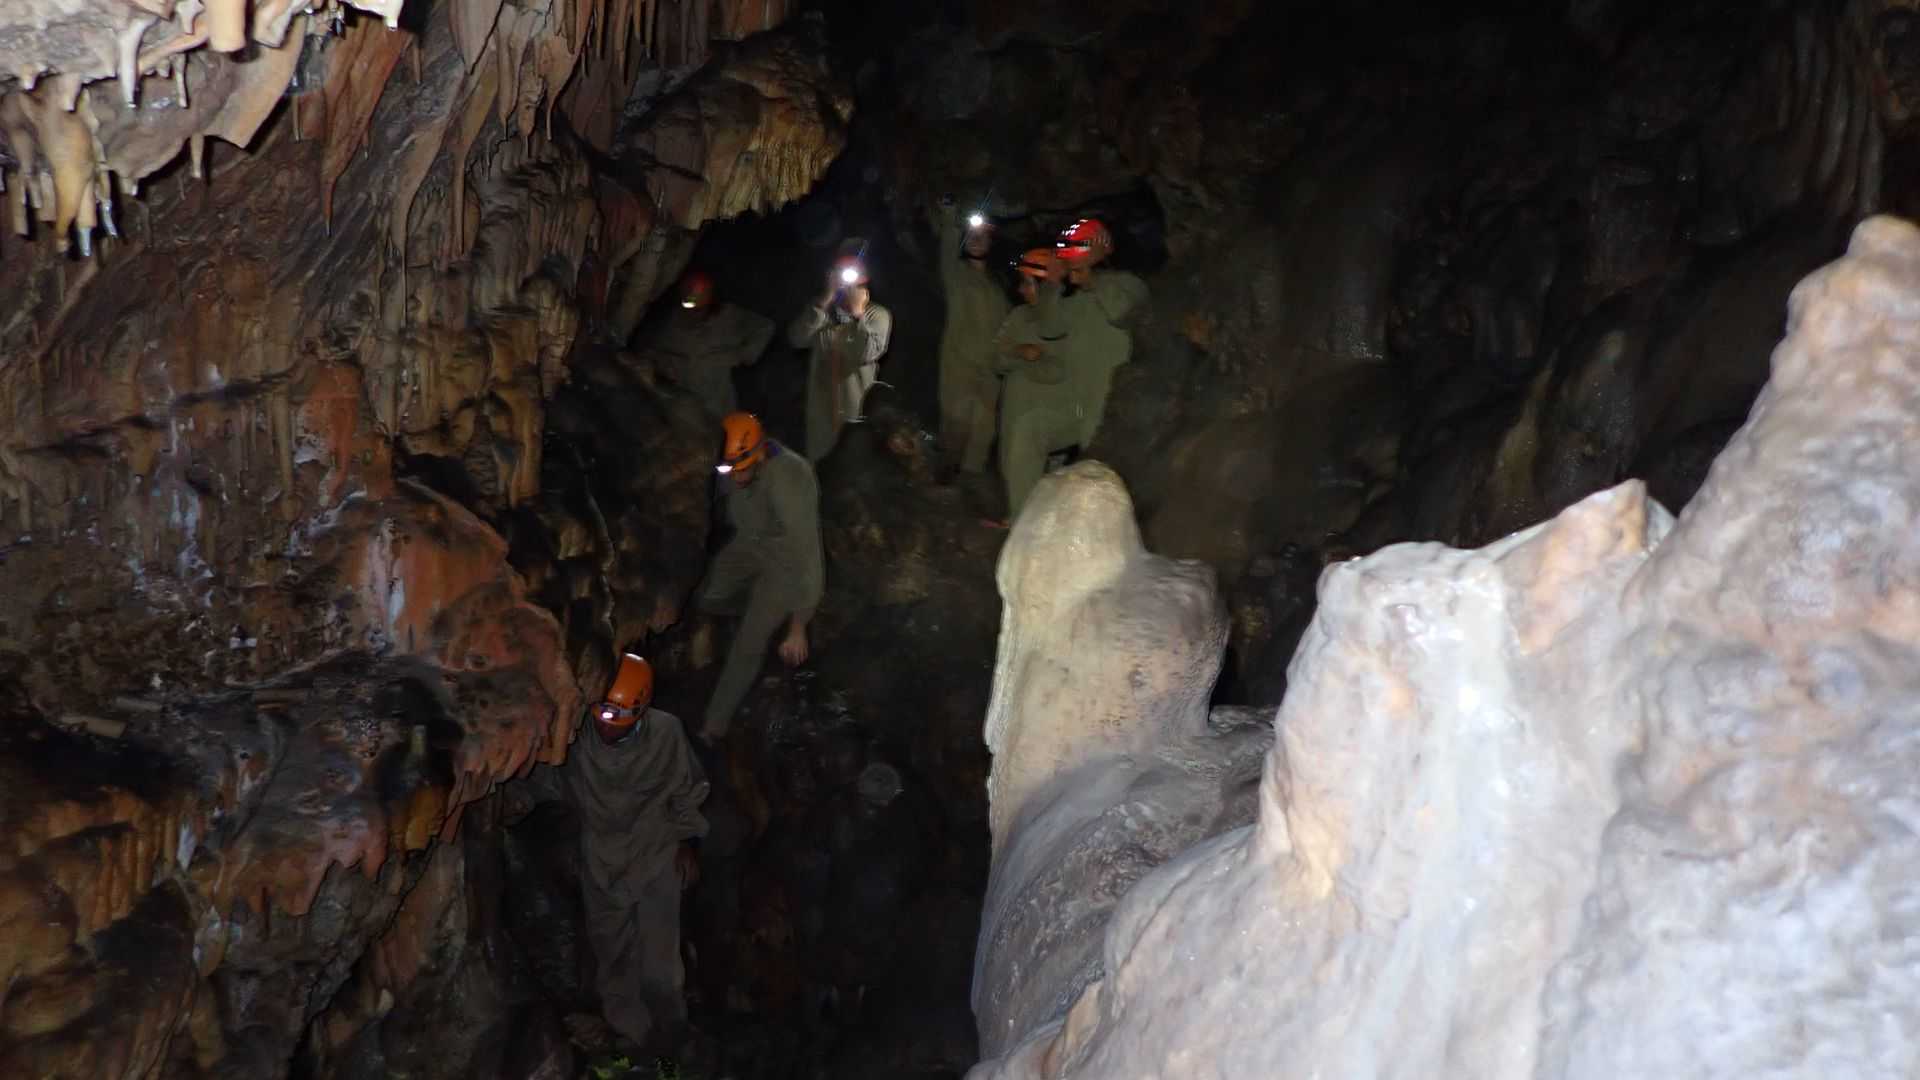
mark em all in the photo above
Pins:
pixel 314 520
pixel 1613 797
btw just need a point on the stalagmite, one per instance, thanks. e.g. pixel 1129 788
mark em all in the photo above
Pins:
pixel 1615 796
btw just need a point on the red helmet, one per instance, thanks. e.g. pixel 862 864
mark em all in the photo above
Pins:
pixel 696 291
pixel 1086 239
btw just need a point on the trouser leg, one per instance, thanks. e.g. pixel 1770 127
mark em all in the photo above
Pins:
pixel 662 976
pixel 617 960
pixel 853 391
pixel 1022 459
pixel 1024 447
pixel 978 409
pixel 955 416
pixel 820 426
pixel 744 657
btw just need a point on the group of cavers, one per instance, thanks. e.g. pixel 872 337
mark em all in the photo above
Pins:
pixel 1035 375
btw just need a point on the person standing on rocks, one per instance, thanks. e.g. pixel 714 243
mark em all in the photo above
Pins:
pixel 976 306
pixel 705 339
pixel 1094 310
pixel 845 334
pixel 1041 413
pixel 638 788
pixel 772 573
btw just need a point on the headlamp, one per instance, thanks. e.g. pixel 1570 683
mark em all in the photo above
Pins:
pixel 850 274
pixel 737 461
pixel 688 303
pixel 976 219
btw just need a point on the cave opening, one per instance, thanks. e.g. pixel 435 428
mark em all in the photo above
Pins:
pixel 362 419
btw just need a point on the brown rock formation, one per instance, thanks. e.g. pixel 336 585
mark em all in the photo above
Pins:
pixel 290 581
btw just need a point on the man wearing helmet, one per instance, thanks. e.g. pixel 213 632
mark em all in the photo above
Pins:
pixel 845 333
pixel 1039 413
pixel 772 572
pixel 976 306
pixel 704 339
pixel 638 788
pixel 1094 309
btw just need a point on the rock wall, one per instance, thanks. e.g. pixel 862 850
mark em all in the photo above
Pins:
pixel 1614 796
pixel 1417 273
pixel 322 496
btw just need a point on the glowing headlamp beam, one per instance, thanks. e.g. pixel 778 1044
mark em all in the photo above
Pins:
pixel 850 274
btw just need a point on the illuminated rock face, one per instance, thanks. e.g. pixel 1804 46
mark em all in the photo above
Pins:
pixel 1614 796
pixel 281 546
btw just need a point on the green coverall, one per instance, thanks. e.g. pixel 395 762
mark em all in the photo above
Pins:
pixel 1039 413
pixel 976 306
pixel 699 350
pixel 843 361
pixel 1095 342
pixel 638 802
pixel 770 571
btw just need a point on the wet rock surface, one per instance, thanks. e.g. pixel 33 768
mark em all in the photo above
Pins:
pixel 1527 800
pixel 307 553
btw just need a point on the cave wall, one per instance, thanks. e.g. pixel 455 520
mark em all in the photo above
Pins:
pixel 293 580
pixel 1615 796
pixel 1417 273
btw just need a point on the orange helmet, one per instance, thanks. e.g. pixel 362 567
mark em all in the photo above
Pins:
pixel 626 701
pixel 1038 263
pixel 1086 239
pixel 743 444
pixel 696 291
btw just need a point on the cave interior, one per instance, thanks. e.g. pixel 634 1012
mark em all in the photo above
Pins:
pixel 339 465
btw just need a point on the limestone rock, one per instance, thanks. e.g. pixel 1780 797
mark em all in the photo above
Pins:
pixel 1612 797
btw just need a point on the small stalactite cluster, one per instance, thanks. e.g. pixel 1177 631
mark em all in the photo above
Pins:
pixel 74 145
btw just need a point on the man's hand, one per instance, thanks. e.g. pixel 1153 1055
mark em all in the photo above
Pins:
pixel 1030 352
pixel 833 287
pixel 793 647
pixel 686 863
